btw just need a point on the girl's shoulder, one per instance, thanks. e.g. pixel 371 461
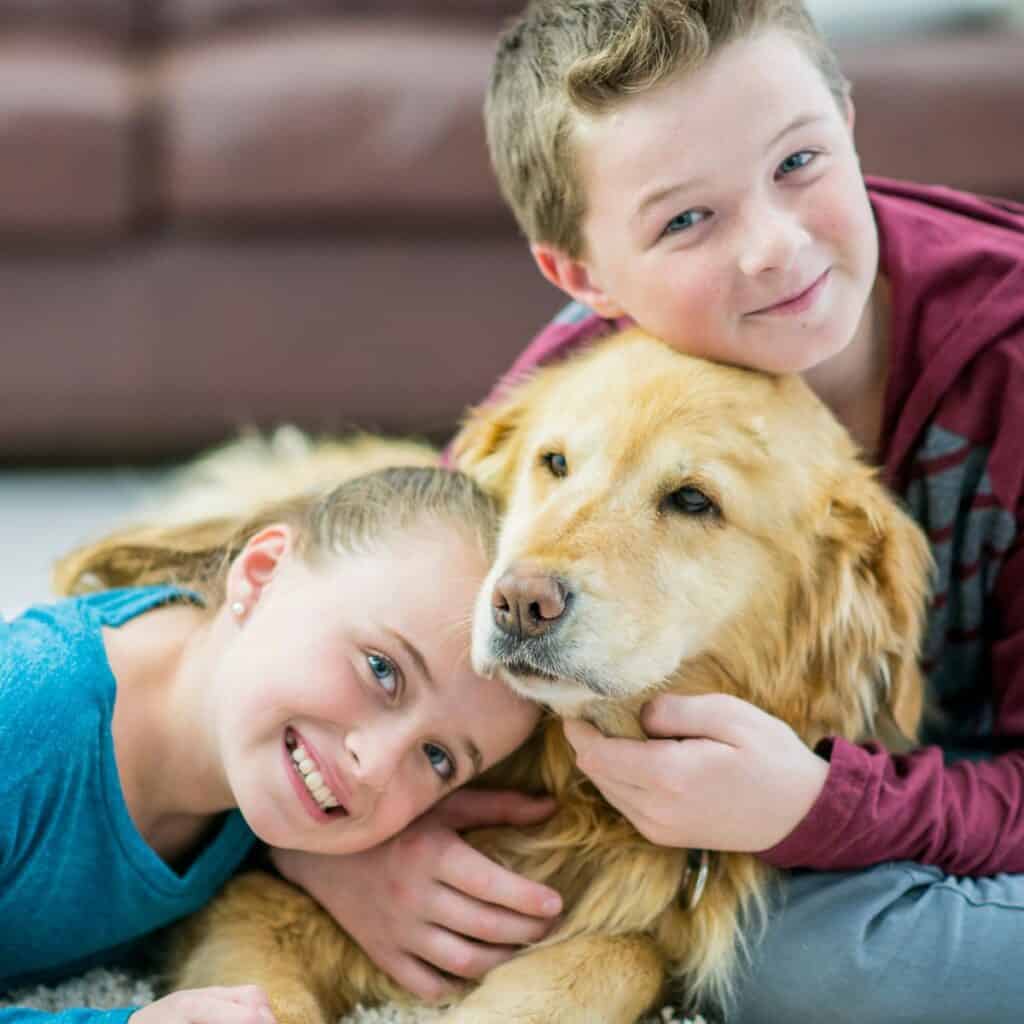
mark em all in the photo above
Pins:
pixel 114 608
pixel 52 658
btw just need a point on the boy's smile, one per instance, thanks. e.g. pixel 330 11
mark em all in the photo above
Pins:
pixel 726 212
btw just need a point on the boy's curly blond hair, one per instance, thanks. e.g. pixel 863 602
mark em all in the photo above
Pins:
pixel 562 59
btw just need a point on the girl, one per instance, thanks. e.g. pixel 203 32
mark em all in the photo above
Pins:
pixel 301 677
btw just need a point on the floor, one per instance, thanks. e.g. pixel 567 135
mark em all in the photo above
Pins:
pixel 45 513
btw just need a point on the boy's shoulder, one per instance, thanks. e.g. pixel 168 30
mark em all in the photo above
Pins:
pixel 909 212
pixel 572 328
pixel 955 266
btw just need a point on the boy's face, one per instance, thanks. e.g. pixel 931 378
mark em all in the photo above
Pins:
pixel 727 213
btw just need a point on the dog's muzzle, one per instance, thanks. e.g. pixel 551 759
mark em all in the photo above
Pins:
pixel 527 603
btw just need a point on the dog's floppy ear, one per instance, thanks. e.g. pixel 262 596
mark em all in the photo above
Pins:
pixel 487 445
pixel 872 596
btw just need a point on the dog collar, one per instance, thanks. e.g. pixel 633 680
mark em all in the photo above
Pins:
pixel 698 867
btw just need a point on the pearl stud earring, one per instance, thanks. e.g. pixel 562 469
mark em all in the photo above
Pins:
pixel 237 609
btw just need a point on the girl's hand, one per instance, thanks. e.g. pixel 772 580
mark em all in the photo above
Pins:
pixel 729 776
pixel 426 899
pixel 242 1004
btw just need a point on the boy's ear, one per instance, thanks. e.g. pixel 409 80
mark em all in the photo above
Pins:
pixel 575 278
pixel 851 113
pixel 258 562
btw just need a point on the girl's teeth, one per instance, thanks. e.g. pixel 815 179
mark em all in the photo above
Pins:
pixel 313 779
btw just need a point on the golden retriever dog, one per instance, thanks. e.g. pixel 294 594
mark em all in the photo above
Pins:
pixel 670 525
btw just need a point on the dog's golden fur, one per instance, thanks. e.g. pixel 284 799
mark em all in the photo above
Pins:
pixel 800 587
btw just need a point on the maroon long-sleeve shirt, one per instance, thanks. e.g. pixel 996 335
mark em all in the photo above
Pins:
pixel 953 448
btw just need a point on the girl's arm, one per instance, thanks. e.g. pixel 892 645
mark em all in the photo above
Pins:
pixel 77 1015
pixel 242 1004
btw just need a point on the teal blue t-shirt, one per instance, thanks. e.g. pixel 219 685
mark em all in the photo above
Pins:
pixel 78 884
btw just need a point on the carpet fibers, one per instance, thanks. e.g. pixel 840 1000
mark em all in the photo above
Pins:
pixel 105 989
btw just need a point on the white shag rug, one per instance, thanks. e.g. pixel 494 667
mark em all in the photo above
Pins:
pixel 106 989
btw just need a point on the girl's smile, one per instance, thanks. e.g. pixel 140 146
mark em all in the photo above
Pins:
pixel 318 788
pixel 353 678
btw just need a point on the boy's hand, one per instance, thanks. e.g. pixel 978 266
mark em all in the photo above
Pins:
pixel 729 776
pixel 426 899
pixel 241 1004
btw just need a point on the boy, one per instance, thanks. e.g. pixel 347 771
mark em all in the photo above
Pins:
pixel 689 165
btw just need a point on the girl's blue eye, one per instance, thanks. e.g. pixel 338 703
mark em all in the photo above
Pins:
pixel 795 161
pixel 683 221
pixel 440 761
pixel 384 672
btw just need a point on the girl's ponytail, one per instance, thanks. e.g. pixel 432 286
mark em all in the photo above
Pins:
pixel 353 516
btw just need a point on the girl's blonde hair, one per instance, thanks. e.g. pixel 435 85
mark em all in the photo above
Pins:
pixel 353 517
pixel 566 59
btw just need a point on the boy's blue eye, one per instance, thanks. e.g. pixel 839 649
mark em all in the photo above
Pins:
pixel 795 161
pixel 684 220
pixel 440 761
pixel 384 672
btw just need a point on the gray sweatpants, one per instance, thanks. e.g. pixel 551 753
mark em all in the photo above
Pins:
pixel 895 944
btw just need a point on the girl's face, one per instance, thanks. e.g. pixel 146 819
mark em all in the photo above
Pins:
pixel 344 703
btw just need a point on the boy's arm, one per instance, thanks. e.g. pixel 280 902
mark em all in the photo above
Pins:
pixel 966 818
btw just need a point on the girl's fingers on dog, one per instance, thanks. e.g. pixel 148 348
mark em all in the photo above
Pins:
pixel 420 978
pixel 485 922
pixel 461 957
pixel 474 808
pixel 470 872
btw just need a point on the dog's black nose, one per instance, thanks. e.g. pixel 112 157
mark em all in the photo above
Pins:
pixel 527 603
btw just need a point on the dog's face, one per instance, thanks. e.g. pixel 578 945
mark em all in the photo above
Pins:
pixel 665 515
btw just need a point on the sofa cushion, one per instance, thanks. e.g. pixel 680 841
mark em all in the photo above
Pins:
pixel 373 118
pixel 70 114
pixel 195 16
pixel 116 19
pixel 942 108
pixel 156 349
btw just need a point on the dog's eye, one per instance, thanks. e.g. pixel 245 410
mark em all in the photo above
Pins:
pixel 691 501
pixel 555 461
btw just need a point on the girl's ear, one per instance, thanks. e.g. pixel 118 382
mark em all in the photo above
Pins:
pixel 258 562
